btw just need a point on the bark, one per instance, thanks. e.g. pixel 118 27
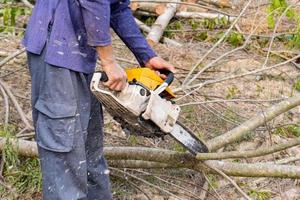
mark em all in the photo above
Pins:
pixel 184 11
pixel 158 8
pixel 249 154
pixel 256 169
pixel 161 23
pixel 165 40
pixel 260 119
pixel 139 157
pixel 219 3
pixel 202 15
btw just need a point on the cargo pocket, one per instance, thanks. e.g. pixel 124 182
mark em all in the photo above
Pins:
pixel 55 128
pixel 57 108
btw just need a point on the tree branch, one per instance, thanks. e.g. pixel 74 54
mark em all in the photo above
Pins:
pixel 254 122
pixel 249 154
pixel 134 156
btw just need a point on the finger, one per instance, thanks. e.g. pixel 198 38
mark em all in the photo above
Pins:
pixel 108 83
pixel 162 76
pixel 171 68
pixel 113 85
pixel 120 86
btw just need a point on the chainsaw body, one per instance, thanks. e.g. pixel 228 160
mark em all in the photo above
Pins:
pixel 144 106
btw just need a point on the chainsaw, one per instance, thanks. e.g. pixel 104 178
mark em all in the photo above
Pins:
pixel 145 107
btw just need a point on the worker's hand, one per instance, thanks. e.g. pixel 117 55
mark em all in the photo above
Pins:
pixel 117 77
pixel 157 63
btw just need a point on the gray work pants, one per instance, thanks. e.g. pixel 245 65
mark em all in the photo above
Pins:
pixel 68 122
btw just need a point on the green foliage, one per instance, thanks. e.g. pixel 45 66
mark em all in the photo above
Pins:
pixel 260 195
pixel 294 130
pixel 231 92
pixel 178 147
pixel 295 38
pixel 23 174
pixel 235 39
pixel 297 85
pixel 277 7
pixel 175 25
pixel 202 36
pixel 149 21
pixel 133 140
pixel 194 24
pixel 291 130
pixel 215 23
pixel 213 181
pixel 9 16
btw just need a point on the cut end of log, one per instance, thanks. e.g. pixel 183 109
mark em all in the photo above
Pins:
pixel 160 9
pixel 134 6
pixel 151 42
pixel 225 3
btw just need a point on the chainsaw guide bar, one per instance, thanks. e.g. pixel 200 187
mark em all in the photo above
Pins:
pixel 144 108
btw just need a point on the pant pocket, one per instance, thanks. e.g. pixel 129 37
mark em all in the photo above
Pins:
pixel 55 130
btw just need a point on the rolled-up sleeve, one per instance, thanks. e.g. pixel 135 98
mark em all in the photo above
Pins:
pixel 123 23
pixel 96 16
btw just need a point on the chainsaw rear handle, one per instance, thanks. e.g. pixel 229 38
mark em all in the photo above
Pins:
pixel 103 76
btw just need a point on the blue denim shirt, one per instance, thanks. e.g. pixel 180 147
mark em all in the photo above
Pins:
pixel 63 49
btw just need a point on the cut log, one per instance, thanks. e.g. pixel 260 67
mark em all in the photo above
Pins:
pixel 165 40
pixel 158 8
pixel 203 15
pixel 161 23
pixel 219 3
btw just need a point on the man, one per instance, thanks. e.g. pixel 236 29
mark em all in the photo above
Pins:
pixel 63 40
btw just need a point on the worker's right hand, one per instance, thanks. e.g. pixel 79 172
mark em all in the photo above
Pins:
pixel 117 78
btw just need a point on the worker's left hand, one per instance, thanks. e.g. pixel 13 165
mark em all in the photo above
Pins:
pixel 157 63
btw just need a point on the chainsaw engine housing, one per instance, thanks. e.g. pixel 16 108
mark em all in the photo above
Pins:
pixel 138 109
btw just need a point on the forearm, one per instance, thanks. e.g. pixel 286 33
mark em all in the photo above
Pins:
pixel 105 54
pixel 126 28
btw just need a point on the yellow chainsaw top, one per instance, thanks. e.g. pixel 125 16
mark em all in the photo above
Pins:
pixel 147 78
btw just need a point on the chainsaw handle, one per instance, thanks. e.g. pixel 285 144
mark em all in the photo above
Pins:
pixel 103 76
pixel 167 82
pixel 169 75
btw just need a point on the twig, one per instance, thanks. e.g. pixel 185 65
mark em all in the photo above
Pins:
pixel 288 160
pixel 259 119
pixel 274 31
pixel 249 154
pixel 27 3
pixel 148 183
pixel 16 104
pixel 132 184
pixel 187 183
pixel 204 192
pixel 226 78
pixel 186 82
pixel 232 101
pixel 233 183
pixel 6 105
pixel 190 193
pixel 12 56
pixel 212 187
